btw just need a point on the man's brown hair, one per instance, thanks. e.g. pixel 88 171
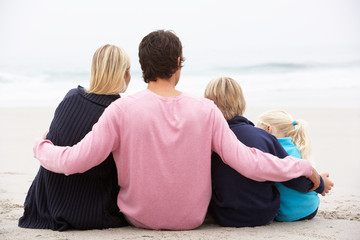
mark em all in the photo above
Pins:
pixel 158 55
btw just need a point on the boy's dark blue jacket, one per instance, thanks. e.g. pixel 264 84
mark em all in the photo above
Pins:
pixel 238 201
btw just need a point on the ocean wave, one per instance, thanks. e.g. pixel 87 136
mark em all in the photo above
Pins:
pixel 285 67
pixel 283 80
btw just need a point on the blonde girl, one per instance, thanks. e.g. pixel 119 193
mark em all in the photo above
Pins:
pixel 282 125
pixel 293 136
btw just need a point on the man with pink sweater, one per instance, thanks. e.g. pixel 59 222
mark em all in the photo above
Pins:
pixel 162 140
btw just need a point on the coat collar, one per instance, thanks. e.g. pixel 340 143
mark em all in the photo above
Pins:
pixel 101 99
pixel 240 120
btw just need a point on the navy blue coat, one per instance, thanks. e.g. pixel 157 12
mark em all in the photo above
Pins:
pixel 81 201
pixel 236 200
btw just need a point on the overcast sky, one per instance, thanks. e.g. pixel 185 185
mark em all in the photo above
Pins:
pixel 65 34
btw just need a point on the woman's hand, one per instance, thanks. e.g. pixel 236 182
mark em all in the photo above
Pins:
pixel 45 134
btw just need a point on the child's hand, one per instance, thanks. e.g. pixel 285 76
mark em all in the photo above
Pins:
pixel 327 182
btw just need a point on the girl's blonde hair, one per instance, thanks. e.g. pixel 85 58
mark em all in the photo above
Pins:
pixel 108 68
pixel 227 95
pixel 286 126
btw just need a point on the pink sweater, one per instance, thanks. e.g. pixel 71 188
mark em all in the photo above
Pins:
pixel 162 148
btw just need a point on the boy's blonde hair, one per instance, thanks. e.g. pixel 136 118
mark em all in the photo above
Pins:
pixel 108 68
pixel 227 95
pixel 286 126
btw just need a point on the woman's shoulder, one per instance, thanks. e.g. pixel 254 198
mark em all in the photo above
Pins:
pixel 71 92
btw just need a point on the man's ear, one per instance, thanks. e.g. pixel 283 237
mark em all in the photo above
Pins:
pixel 269 129
pixel 178 62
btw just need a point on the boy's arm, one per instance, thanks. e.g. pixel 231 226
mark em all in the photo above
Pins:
pixel 251 162
pixel 303 184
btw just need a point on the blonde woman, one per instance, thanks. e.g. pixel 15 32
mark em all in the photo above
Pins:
pixel 293 136
pixel 88 200
pixel 238 201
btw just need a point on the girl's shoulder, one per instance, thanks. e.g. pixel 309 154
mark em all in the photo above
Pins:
pixel 290 147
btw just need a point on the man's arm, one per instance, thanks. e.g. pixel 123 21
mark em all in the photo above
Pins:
pixel 253 163
pixel 88 153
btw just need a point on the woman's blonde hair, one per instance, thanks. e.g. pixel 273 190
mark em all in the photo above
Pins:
pixel 286 126
pixel 108 68
pixel 227 95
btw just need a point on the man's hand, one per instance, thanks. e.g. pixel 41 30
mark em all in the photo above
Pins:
pixel 315 178
pixel 327 182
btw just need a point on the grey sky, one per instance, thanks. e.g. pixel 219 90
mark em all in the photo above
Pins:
pixel 65 34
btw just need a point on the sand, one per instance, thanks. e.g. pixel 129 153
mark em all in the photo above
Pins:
pixel 335 139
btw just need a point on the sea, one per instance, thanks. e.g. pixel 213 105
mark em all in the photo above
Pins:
pixel 268 84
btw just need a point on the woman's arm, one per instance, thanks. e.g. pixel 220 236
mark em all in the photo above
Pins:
pixel 88 153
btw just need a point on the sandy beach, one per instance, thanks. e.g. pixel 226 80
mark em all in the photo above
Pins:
pixel 335 140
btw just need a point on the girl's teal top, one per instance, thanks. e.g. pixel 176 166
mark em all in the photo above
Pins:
pixel 294 205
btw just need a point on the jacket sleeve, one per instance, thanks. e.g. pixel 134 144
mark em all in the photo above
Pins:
pixel 89 152
pixel 302 184
pixel 251 162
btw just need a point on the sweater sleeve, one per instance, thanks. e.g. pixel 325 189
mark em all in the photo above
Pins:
pixel 251 162
pixel 88 153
